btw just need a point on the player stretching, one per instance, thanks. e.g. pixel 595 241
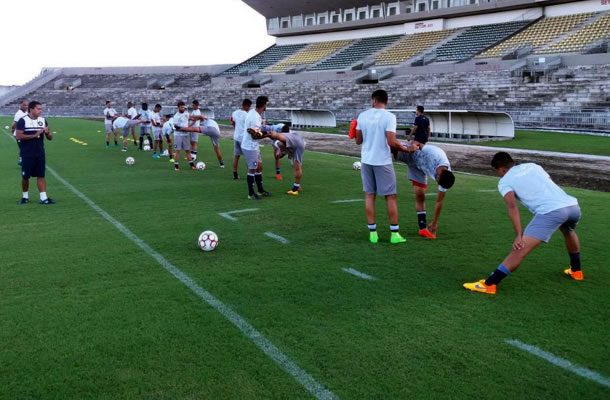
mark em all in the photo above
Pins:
pixel 109 114
pixel 155 119
pixel 126 125
pixel 201 125
pixel 182 136
pixel 168 130
pixel 291 144
pixel 238 120
pixel 251 150
pixel 552 208
pixel 376 133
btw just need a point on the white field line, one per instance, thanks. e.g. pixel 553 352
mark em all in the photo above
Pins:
pixel 277 237
pixel 264 344
pixel 561 362
pixel 359 274
pixel 228 215
pixel 347 201
pixel 431 194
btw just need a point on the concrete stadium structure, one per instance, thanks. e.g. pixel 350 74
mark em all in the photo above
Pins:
pixel 545 63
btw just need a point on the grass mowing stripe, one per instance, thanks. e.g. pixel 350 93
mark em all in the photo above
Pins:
pixel 359 274
pixel 287 364
pixel 280 239
pixel 560 362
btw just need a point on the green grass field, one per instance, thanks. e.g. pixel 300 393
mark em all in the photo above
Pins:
pixel 85 313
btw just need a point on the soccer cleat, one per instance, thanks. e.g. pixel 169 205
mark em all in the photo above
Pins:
pixel 397 238
pixel 194 168
pixel 426 233
pixel 254 197
pixel 172 160
pixel 576 275
pixel 279 177
pixel 107 146
pixel 264 193
pixel 24 201
pixel 156 156
pixel 124 149
pixel 47 201
pixel 293 192
pixel 222 165
pixel 373 237
pixel 176 168
pixel 480 287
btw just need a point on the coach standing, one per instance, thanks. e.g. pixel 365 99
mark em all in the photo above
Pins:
pixel 376 132
pixel 31 131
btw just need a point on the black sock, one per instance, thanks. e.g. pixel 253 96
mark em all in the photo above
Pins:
pixel 250 185
pixel 394 228
pixel 141 141
pixel 107 143
pixel 277 171
pixel 235 175
pixel 575 261
pixel 258 178
pixel 116 143
pixel 295 187
pixel 373 227
pixel 176 165
pixel 496 277
pixel 191 163
pixel 194 152
pixel 421 220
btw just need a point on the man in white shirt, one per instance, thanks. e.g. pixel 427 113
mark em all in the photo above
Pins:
pixel 109 114
pixel 433 162
pixel 168 131
pixel 157 129
pixel 22 112
pixel 132 114
pixel 195 121
pixel 376 133
pixel 201 125
pixel 251 151
pixel 146 127
pixel 182 136
pixel 552 208
pixel 126 125
pixel 238 120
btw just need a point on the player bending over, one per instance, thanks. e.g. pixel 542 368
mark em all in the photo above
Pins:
pixel 201 125
pixel 126 125
pixel 109 114
pixel 238 120
pixel 552 208
pixel 291 144
pixel 182 136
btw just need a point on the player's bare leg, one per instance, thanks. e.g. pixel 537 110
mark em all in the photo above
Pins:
pixel 189 158
pixel 218 154
pixel 133 134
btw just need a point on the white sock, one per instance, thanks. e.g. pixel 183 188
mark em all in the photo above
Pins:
pixel 25 195
pixel 43 196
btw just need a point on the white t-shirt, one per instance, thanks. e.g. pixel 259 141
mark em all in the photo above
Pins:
pixel 156 117
pixel 181 120
pixel 429 158
pixel 145 115
pixel 534 189
pixel 253 120
pixel 211 123
pixel 374 123
pixel 168 127
pixel 109 113
pixel 239 118
pixel 120 122
pixel 196 113
pixel 132 113
pixel 18 115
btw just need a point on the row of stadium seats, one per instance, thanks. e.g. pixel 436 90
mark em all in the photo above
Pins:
pixel 309 55
pixel 411 46
pixel 539 34
pixel 272 55
pixel 583 38
pixel 357 52
pixel 476 39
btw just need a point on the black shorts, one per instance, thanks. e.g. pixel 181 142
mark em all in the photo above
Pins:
pixel 421 137
pixel 33 166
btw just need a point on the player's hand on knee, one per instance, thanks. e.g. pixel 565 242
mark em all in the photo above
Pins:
pixel 518 243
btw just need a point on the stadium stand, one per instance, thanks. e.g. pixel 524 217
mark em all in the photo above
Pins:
pixel 309 55
pixel 539 34
pixel 357 52
pixel 477 39
pixel 411 46
pixel 579 41
pixel 265 59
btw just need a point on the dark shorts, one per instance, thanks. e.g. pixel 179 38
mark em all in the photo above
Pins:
pixel 421 137
pixel 33 167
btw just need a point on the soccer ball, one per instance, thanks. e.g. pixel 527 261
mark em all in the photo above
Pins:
pixel 193 156
pixel 208 241
pixel 6 127
pixel 146 147
pixel 200 165
pixel 130 161
pixel 357 165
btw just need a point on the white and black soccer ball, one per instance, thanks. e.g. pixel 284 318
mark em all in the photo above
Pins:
pixel 200 165
pixel 208 241
pixel 130 161
pixel 146 147
pixel 357 165
pixel 6 127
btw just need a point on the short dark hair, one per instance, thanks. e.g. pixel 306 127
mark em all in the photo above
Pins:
pixel 144 106
pixel 261 101
pixel 447 179
pixel 168 116
pixel 286 127
pixel 129 103
pixel 32 105
pixel 420 109
pixel 246 103
pixel 195 102
pixel 107 101
pixel 181 103
pixel 158 106
pixel 502 160
pixel 381 96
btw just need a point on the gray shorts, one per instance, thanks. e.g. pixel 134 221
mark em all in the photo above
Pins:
pixel 145 130
pixel 380 179
pixel 253 158
pixel 414 174
pixel 542 226
pixel 182 142
pixel 237 151
pixel 212 132
pixel 194 137
pixel 129 126
pixel 296 145
pixel 158 133
pixel 109 128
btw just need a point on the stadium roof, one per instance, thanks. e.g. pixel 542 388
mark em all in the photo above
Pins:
pixel 283 8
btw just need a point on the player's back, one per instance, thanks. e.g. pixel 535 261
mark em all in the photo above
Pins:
pixel 239 118
pixel 374 124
